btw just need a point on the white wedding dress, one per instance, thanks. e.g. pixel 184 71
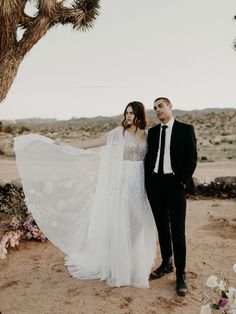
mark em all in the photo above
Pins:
pixel 92 205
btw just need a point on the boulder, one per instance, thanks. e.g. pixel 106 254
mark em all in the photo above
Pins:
pixel 226 180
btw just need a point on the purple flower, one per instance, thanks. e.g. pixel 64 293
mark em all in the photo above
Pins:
pixel 223 303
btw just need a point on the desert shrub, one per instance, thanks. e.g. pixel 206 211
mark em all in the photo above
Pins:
pixel 12 200
pixel 8 129
pixel 24 129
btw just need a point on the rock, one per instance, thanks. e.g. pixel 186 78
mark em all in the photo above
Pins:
pixel 217 190
pixel 226 180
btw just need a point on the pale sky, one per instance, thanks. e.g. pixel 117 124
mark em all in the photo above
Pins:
pixel 137 50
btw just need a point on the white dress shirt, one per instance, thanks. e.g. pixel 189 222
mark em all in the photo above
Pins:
pixel 166 163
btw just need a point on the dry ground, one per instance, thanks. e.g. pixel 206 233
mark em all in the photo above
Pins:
pixel 205 170
pixel 34 280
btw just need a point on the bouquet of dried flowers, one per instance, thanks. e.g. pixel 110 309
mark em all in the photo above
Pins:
pixel 219 297
pixel 21 229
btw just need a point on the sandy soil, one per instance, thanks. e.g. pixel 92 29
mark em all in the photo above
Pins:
pixel 33 278
pixel 205 171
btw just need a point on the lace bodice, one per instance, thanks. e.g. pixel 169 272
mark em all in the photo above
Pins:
pixel 133 150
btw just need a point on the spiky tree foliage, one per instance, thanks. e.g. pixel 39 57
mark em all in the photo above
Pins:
pixel 235 39
pixel 81 14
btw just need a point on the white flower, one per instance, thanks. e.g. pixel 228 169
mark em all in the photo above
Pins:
pixel 12 241
pixel 234 267
pixel 212 282
pixel 231 294
pixel 222 285
pixel 206 309
pixel 2 256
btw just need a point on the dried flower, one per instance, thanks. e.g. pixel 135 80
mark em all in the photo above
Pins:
pixel 11 238
pixel 234 267
pixel 21 228
pixel 219 297
pixel 212 282
pixel 223 303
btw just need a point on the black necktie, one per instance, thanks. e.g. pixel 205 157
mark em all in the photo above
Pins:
pixel 162 150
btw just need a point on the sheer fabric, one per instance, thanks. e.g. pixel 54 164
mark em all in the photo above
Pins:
pixel 92 205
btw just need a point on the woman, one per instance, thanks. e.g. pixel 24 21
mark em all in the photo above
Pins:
pixel 91 204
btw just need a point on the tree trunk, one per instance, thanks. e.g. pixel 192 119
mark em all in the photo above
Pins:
pixel 50 12
pixel 8 69
pixel 11 60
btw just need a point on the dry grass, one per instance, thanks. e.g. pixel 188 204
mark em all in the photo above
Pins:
pixel 215 131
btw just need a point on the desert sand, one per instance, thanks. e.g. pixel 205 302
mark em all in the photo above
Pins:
pixel 33 278
pixel 205 171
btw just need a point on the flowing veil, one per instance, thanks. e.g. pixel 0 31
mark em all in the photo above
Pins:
pixel 68 189
pixel 79 201
pixel 59 183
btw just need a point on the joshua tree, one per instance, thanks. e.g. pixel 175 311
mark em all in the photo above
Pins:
pixel 81 14
pixel 235 39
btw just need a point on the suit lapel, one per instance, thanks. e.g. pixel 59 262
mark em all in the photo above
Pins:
pixel 174 136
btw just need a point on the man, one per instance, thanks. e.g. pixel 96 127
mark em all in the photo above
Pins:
pixel 169 164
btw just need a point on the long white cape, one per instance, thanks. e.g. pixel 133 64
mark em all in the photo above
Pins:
pixel 75 197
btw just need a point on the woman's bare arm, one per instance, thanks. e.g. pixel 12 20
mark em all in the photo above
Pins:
pixel 92 143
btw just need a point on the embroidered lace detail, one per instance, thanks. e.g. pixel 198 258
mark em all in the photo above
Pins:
pixel 133 150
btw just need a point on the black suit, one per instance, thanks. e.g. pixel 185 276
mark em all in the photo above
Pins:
pixel 166 193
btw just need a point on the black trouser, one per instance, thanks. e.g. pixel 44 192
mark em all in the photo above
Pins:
pixel 167 199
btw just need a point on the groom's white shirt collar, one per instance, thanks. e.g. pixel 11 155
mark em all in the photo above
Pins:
pixel 167 161
pixel 169 123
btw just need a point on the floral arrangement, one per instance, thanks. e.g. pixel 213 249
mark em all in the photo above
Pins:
pixel 21 229
pixel 10 239
pixel 219 297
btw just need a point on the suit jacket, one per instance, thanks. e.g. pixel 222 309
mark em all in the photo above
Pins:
pixel 183 153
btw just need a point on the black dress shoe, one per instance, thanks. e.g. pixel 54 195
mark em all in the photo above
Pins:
pixel 165 268
pixel 181 286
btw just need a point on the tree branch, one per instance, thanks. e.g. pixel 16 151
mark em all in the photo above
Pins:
pixel 81 15
pixel 47 7
pixel 33 34
pixel 50 12
pixel 235 39
pixel 8 18
pixel 25 20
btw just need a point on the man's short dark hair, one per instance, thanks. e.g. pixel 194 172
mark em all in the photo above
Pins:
pixel 166 100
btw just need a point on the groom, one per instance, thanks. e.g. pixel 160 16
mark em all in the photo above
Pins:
pixel 169 164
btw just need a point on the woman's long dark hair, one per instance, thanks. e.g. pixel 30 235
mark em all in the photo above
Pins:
pixel 140 120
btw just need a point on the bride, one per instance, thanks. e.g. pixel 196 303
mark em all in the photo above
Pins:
pixel 92 204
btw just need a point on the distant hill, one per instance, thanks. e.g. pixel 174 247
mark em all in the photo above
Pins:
pixel 150 113
pixel 178 112
pixel 215 130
